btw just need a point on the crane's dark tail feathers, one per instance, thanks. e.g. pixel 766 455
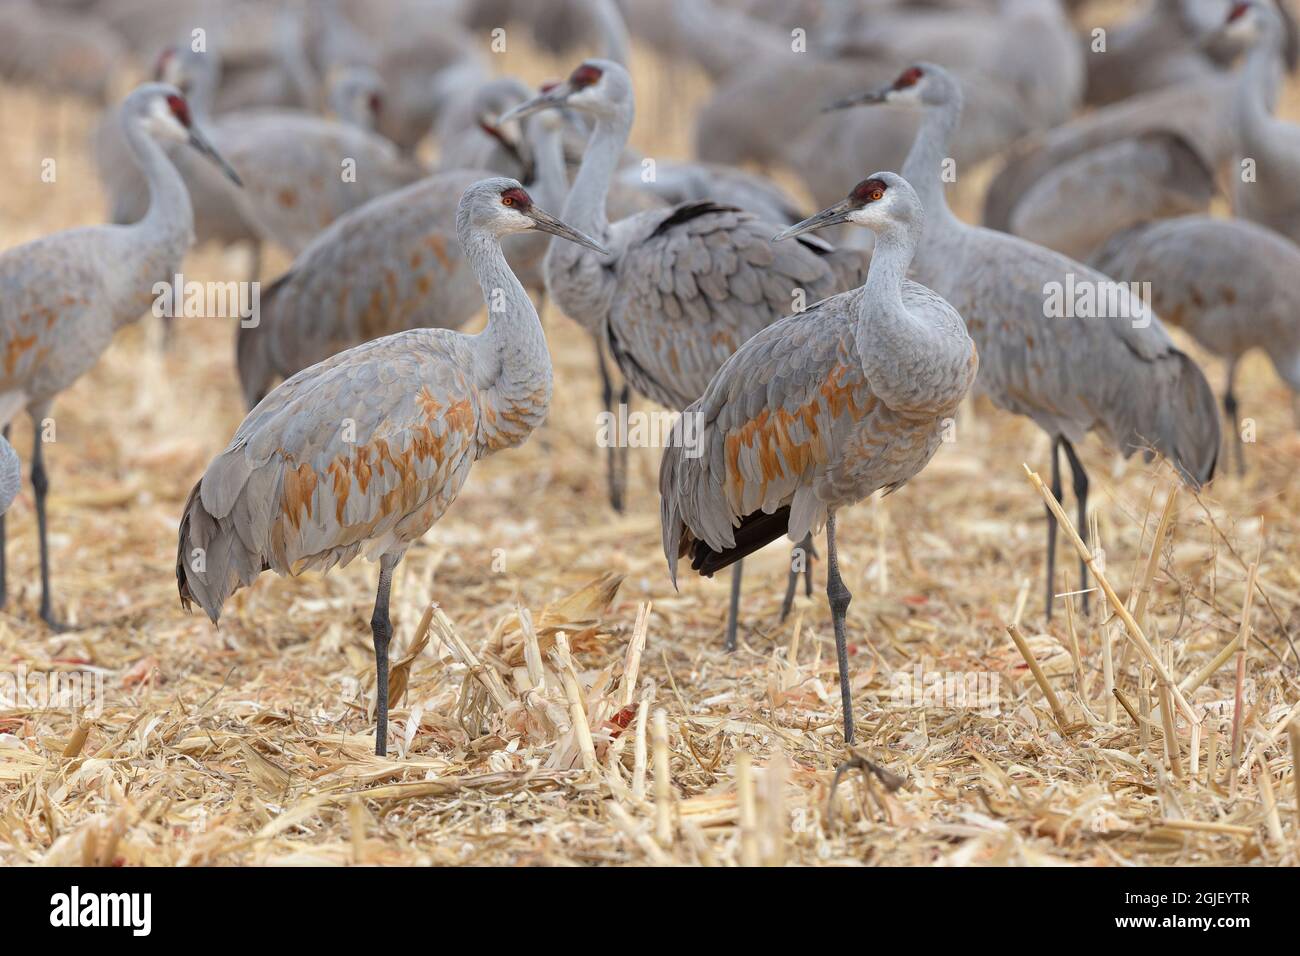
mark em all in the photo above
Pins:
pixel 1192 434
pixel 211 561
pixel 755 531
pixel 254 356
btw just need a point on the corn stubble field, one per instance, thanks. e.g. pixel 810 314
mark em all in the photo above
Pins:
pixel 563 705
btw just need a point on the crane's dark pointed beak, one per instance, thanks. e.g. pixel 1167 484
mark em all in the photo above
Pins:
pixel 548 223
pixel 200 143
pixel 830 216
pixel 551 99
pixel 870 97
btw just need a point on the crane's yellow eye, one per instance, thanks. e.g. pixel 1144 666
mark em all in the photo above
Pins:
pixel 507 201
pixel 877 195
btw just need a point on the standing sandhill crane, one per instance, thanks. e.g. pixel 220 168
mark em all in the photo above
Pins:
pixel 683 287
pixel 293 492
pixel 64 296
pixel 390 265
pixel 823 409
pixel 1232 284
pixel 1118 374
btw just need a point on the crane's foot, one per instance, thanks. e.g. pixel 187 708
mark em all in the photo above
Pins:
pixel 53 623
pixel 887 778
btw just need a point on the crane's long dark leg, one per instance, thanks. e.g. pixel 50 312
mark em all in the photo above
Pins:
pixel 839 597
pixel 1051 524
pixel 733 614
pixel 1230 409
pixel 1081 500
pixel 382 631
pixel 801 559
pixel 3 593
pixel 607 402
pixel 624 402
pixel 41 486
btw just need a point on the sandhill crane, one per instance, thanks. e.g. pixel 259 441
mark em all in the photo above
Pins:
pixel 1232 284
pixel 822 409
pixel 293 491
pixel 683 287
pixel 63 297
pixel 1118 374
pixel 390 265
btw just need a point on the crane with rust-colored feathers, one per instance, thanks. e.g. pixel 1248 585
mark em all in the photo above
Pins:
pixel 64 296
pixel 1118 375
pixel 822 409
pixel 293 492
pixel 682 287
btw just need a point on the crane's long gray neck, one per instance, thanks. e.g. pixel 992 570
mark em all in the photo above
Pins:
pixel 585 207
pixel 614 40
pixel 152 249
pixel 1257 86
pixel 551 176
pixel 925 161
pixel 513 362
pixel 892 342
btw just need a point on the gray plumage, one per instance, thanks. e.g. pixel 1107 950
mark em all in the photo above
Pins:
pixel 1232 285
pixel 1158 47
pixel 1077 206
pixel 363 452
pixel 821 410
pixel 390 265
pixel 11 474
pixel 825 407
pixel 1198 115
pixel 1271 196
pixel 1070 375
pixel 294 167
pixel 684 286
pixel 63 297
pixel 677 182
pixel 1117 372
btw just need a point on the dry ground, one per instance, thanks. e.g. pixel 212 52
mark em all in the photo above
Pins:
pixel 253 744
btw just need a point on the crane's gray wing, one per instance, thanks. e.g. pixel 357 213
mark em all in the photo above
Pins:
pixel 1233 285
pixel 1077 206
pixel 1198 112
pixel 702 280
pixel 302 173
pixel 788 421
pixel 1110 366
pixel 391 265
pixel 366 449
